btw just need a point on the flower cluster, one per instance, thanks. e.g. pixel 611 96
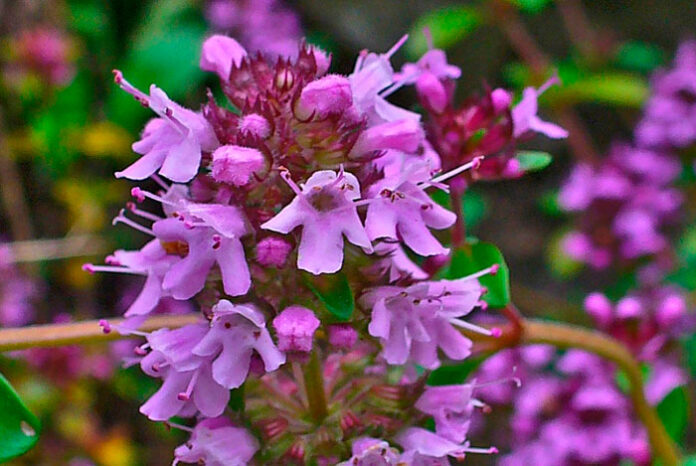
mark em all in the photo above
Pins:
pixel 313 190
pixel 568 411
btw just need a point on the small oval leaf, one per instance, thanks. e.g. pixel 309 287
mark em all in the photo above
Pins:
pixel 477 256
pixel 19 428
pixel 334 291
pixel 533 160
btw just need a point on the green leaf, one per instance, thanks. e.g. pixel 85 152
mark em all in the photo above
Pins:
pixel 690 460
pixel 674 412
pixel 455 373
pixel 622 89
pixel 478 256
pixel 333 290
pixel 474 206
pixel 530 6
pixel 533 160
pixel 639 56
pixel 447 26
pixel 19 429
pixel 548 204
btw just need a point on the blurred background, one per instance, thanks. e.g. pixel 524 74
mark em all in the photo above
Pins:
pixel 65 128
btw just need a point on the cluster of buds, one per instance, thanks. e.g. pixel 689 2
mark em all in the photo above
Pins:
pixel 304 190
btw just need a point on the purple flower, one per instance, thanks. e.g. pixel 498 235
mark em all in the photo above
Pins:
pixel 219 54
pixel 216 442
pixel 406 213
pixel 524 114
pixel 412 323
pixel 188 385
pixel 153 262
pixel 295 327
pixel 668 116
pixel 328 95
pixel 325 209
pixel 368 451
pixel 396 262
pixel 451 407
pixel 171 143
pixel 422 447
pixel 211 236
pixel 237 332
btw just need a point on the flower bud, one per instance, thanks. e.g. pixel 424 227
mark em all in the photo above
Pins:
pixel 219 54
pixel 255 125
pixel 235 164
pixel 599 307
pixel 272 251
pixel 501 100
pixel 330 94
pixel 295 327
pixel 404 135
pixel 342 336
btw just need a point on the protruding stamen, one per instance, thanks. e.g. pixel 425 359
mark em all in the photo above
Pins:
pixel 178 426
pixel 141 194
pixel 285 175
pixel 121 218
pixel 396 46
pixel 483 451
pixel 492 270
pixel 91 268
pixel 139 95
pixel 473 165
pixel 142 213
pixel 157 179
pixel 469 326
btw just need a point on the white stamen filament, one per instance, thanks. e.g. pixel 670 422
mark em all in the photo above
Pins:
pixel 460 169
pixel 469 326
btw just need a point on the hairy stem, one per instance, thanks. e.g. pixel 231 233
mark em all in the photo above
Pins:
pixel 314 386
pixel 532 332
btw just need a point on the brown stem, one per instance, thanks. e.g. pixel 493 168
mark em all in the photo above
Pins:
pixel 39 250
pixel 576 22
pixel 43 336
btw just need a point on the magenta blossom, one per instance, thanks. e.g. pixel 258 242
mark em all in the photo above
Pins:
pixel 524 114
pixel 171 144
pixel 325 209
pixel 412 323
pixel 216 442
pixel 237 332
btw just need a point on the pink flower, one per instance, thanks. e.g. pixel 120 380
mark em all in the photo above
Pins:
pixel 451 407
pixel 171 143
pixel 295 327
pixel 220 53
pixel 326 211
pixel 236 333
pixel 412 323
pixel 216 442
pixel 423 447
pixel 524 114
pixel 342 336
pixel 188 383
pixel 212 235
pixel 272 251
pixel 368 451
pixel 405 213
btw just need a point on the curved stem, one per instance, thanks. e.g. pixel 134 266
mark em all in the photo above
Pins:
pixel 531 332
pixel 563 335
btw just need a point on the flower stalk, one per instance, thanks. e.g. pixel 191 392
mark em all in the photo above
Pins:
pixel 314 387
